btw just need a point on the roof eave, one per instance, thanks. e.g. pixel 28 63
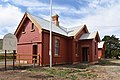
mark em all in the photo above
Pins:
pixel 84 26
pixel 22 20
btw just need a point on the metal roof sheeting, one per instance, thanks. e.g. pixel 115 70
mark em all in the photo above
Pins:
pixel 88 36
pixel 44 24
pixel 74 30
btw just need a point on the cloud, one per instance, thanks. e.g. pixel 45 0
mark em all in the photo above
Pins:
pixel 106 19
pixel 101 15
pixel 10 17
pixel 28 3
pixel 4 0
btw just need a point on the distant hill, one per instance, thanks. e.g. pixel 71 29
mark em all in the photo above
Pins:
pixel 1 43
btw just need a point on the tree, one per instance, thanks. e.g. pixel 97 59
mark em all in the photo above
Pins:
pixel 1 42
pixel 112 46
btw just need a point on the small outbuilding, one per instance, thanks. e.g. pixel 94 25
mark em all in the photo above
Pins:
pixel 101 49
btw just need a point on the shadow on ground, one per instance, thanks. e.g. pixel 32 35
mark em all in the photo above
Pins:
pixel 108 62
pixel 102 62
pixel 77 66
pixel 15 68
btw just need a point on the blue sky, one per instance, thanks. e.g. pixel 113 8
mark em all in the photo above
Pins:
pixel 98 15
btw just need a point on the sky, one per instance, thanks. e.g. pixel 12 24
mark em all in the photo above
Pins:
pixel 99 15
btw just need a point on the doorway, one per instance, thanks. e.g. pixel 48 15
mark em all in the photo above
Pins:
pixel 85 53
pixel 35 51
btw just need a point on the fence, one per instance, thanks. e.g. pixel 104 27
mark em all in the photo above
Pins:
pixel 27 59
pixel 19 60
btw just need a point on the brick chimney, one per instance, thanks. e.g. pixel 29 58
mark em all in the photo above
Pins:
pixel 55 20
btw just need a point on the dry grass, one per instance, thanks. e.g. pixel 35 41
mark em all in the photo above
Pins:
pixel 105 70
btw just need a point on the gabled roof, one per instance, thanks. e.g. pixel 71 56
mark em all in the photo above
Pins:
pixel 90 36
pixel 75 30
pixel 101 44
pixel 44 24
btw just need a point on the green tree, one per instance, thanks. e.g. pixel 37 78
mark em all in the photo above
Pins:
pixel 112 46
pixel 1 42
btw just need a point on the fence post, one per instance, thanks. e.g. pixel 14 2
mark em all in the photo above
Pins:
pixel 39 59
pixel 5 59
pixel 14 51
pixel 19 59
pixel 33 62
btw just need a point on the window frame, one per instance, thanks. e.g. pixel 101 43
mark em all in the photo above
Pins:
pixel 58 46
pixel 32 27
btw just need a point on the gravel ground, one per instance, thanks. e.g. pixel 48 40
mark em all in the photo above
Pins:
pixel 107 69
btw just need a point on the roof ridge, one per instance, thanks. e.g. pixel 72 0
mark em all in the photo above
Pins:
pixel 61 27
pixel 44 19
pixel 52 22
pixel 38 17
pixel 58 29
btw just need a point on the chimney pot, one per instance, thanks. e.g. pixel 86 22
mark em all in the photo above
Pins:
pixel 55 20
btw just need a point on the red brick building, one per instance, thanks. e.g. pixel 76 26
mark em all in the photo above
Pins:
pixel 69 45
pixel 101 49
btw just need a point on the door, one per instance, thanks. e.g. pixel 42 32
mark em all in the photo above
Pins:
pixel 35 50
pixel 85 54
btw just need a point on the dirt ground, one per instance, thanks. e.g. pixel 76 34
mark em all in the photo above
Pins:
pixel 107 69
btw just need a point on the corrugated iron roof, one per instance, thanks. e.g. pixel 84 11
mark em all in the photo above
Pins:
pixel 100 44
pixel 88 36
pixel 44 24
pixel 73 31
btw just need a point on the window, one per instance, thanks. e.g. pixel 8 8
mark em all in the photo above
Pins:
pixel 32 28
pixel 57 46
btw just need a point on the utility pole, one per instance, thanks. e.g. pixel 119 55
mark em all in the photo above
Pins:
pixel 50 45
